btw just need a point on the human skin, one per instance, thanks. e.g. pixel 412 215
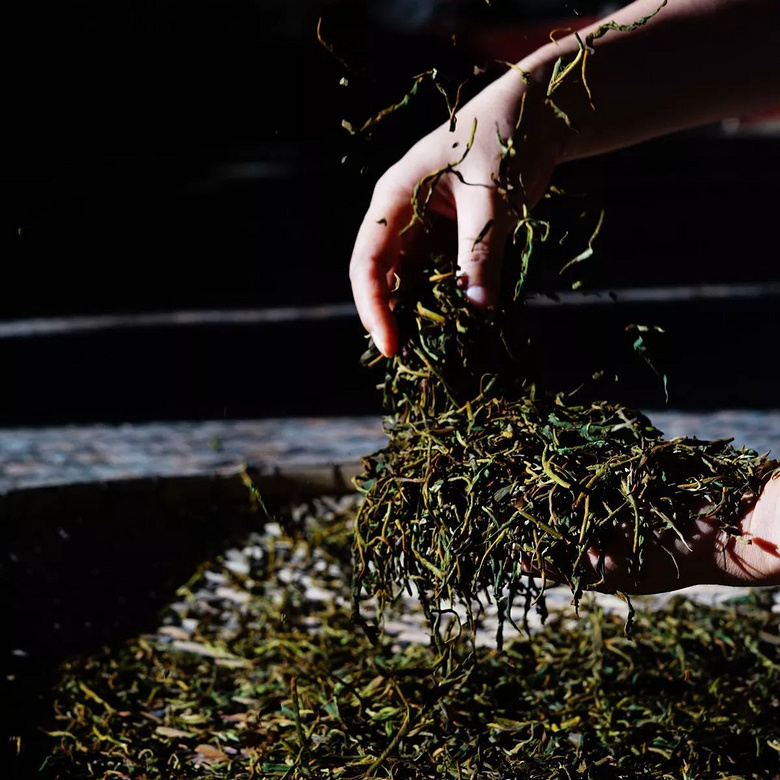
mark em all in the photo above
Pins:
pixel 708 555
pixel 694 62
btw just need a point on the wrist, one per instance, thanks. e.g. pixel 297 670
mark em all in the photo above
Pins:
pixel 563 111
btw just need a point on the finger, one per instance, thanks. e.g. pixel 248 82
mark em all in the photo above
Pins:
pixel 482 232
pixel 374 258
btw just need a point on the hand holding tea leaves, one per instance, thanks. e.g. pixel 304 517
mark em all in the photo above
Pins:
pixel 644 71
pixel 465 181
pixel 704 554
pixel 473 496
pixel 488 476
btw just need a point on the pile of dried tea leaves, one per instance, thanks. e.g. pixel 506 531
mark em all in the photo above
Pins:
pixel 257 672
pixel 487 476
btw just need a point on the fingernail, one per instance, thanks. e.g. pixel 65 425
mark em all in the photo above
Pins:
pixel 478 295
pixel 378 343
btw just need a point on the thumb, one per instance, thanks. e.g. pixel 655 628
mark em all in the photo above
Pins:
pixel 482 234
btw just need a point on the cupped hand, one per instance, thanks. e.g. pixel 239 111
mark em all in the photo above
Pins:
pixel 479 178
pixel 708 554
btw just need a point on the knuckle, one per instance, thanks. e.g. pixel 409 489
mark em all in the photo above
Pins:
pixel 390 184
pixel 365 272
pixel 361 268
pixel 475 252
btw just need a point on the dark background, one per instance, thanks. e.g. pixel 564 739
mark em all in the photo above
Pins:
pixel 189 156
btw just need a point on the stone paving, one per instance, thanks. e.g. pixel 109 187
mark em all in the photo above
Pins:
pixel 758 429
pixel 32 457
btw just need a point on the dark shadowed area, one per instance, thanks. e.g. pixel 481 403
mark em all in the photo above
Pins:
pixel 170 157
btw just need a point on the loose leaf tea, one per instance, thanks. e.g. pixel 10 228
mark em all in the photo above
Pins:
pixel 491 484
pixel 257 672
pixel 487 477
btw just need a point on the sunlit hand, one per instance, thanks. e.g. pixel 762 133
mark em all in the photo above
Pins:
pixel 478 178
pixel 707 556
pixel 642 82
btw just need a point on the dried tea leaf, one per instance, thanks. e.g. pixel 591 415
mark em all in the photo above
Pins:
pixel 211 755
pixel 171 733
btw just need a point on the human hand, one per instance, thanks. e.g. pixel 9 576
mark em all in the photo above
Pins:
pixel 645 81
pixel 479 178
pixel 708 555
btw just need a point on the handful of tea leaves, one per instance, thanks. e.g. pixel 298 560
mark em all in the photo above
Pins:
pixel 486 478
